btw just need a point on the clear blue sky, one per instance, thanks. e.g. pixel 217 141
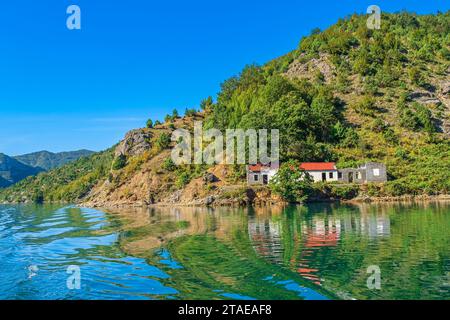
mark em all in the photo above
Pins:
pixel 135 59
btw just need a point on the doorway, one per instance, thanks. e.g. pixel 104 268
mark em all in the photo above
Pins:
pixel 265 179
pixel 324 176
pixel 350 177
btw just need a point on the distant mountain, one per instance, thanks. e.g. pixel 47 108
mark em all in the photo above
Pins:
pixel 3 183
pixel 48 160
pixel 12 170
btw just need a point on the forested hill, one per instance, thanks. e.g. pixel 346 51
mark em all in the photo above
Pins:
pixel 49 160
pixel 346 94
pixel 12 170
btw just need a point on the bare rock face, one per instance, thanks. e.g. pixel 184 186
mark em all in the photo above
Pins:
pixel 135 143
pixel 444 96
pixel 306 70
pixel 445 88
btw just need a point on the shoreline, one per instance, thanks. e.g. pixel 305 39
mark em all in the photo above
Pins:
pixel 358 200
pixel 237 203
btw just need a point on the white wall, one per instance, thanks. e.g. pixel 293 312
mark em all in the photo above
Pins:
pixel 317 175
pixel 270 173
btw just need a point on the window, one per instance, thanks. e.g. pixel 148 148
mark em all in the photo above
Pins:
pixel 358 175
pixel 330 175
pixel 255 177
pixel 376 172
pixel 339 175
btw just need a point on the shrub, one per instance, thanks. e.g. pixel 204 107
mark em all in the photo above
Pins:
pixel 397 188
pixel 345 192
pixel 183 180
pixel 409 120
pixel 366 106
pixel 169 165
pixel 163 141
pixel 335 191
pixel 425 117
pixel 374 190
pixel 416 77
pixel 119 162
pixel 417 118
pixel 390 136
pixel 401 153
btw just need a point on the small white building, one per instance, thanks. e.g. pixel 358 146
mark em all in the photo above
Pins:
pixel 321 171
pixel 260 174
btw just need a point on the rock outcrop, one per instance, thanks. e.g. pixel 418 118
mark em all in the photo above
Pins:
pixel 135 143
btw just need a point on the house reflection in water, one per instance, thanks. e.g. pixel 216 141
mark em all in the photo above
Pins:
pixel 318 233
pixel 266 238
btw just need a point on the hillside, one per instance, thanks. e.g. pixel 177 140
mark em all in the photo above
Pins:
pixel 347 94
pixel 68 183
pixel 12 171
pixel 49 160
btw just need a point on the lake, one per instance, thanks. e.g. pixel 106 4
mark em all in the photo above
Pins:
pixel 319 251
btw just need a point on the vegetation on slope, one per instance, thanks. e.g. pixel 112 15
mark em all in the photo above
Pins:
pixel 69 183
pixel 346 94
pixel 365 109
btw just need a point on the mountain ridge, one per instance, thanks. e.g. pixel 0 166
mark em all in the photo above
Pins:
pixel 48 160
pixel 12 170
pixel 16 168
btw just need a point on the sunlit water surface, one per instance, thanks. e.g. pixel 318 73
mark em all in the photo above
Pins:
pixel 304 252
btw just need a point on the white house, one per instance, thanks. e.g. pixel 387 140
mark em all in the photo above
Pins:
pixel 321 171
pixel 260 174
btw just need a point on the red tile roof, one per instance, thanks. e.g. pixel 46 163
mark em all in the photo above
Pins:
pixel 255 167
pixel 258 167
pixel 318 166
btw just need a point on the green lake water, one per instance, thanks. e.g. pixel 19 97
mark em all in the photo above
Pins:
pixel 320 251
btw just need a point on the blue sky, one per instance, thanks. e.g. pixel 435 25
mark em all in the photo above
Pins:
pixel 66 89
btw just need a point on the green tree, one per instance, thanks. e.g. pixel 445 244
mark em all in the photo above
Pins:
pixel 291 182
pixel 149 123
pixel 206 104
pixel 190 112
